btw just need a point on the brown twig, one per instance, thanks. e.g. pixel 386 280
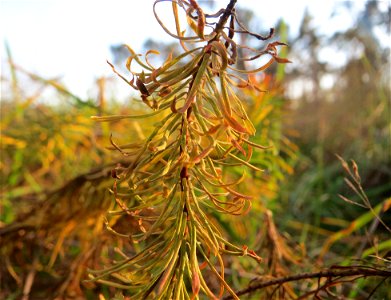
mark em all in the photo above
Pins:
pixel 224 18
pixel 329 273
pixel 219 27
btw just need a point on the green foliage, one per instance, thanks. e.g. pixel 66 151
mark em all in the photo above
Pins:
pixel 350 118
pixel 179 180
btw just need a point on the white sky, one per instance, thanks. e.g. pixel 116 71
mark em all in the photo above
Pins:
pixel 71 38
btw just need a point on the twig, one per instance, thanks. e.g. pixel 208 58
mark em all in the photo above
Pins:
pixel 29 280
pixel 376 287
pixel 346 271
pixel 224 18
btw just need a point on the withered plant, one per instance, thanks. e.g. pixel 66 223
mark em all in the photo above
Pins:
pixel 179 177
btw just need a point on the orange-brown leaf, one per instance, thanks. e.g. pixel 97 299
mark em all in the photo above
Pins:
pixel 141 86
pixel 281 60
pixel 195 283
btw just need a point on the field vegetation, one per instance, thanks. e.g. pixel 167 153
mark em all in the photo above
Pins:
pixel 216 181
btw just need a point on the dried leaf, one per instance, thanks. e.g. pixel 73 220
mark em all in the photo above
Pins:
pixel 141 86
pixel 281 60
pixel 195 283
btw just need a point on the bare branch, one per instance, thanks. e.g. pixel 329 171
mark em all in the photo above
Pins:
pixel 329 273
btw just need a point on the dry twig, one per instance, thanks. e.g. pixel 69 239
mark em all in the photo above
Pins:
pixel 334 274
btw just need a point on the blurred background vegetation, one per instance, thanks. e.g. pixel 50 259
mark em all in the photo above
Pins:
pixel 55 164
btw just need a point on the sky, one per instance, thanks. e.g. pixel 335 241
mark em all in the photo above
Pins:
pixel 71 39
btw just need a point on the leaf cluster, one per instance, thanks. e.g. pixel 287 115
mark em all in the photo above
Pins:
pixel 176 180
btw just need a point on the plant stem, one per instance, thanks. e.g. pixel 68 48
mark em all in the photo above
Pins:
pixel 345 272
pixel 224 18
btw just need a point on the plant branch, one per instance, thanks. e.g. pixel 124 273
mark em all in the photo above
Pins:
pixel 329 273
pixel 224 18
